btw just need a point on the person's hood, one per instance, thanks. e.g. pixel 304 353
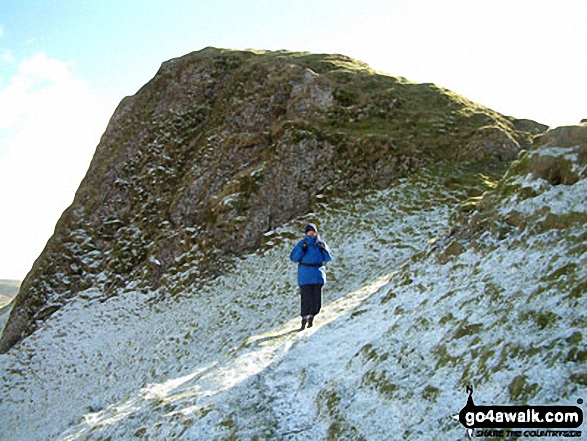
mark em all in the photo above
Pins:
pixel 311 227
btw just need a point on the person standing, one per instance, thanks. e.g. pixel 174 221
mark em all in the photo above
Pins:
pixel 311 254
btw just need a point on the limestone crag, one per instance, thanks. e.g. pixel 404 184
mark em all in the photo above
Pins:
pixel 526 199
pixel 223 146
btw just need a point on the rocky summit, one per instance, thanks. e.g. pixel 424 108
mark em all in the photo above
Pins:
pixel 165 305
pixel 222 146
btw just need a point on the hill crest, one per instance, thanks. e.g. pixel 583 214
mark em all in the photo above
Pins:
pixel 221 147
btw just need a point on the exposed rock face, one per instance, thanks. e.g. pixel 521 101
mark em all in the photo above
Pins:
pixel 222 147
pixel 557 158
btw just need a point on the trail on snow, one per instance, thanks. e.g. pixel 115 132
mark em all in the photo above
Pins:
pixel 136 363
pixel 198 389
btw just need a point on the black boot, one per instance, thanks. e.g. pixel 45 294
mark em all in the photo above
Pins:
pixel 310 321
pixel 304 321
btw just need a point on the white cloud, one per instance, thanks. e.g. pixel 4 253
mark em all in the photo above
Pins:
pixel 50 124
pixel 7 56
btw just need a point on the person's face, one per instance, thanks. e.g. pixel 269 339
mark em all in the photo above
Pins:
pixel 311 233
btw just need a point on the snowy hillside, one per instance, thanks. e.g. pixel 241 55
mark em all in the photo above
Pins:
pixel 222 146
pixel 407 322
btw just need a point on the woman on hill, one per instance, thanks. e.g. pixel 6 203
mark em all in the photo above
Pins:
pixel 310 254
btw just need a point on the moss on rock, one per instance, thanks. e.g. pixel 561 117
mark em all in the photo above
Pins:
pixel 236 143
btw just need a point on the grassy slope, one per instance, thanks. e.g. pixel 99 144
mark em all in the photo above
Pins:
pixel 498 304
pixel 166 353
pixel 202 147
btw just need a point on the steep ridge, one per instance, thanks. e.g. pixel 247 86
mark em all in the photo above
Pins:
pixel 162 369
pixel 222 147
pixel 496 300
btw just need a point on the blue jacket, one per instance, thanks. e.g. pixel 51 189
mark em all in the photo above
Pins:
pixel 314 257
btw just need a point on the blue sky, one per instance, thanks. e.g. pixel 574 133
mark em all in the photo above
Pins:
pixel 65 65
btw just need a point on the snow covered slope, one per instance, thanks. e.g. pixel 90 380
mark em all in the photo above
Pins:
pixel 407 323
pixel 222 146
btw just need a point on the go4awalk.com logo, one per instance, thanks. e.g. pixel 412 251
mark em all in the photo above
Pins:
pixel 521 421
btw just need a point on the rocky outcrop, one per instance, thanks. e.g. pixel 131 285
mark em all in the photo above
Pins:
pixel 528 199
pixel 221 147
